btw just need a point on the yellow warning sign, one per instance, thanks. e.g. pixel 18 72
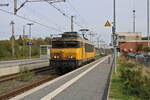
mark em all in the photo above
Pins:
pixel 107 24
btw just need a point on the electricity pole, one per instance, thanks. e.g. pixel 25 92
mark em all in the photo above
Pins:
pixel 23 41
pixel 148 23
pixel 98 42
pixel 72 27
pixel 30 42
pixel 133 21
pixel 91 36
pixel 12 39
pixel 114 35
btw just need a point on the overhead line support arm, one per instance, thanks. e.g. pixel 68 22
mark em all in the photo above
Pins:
pixel 18 8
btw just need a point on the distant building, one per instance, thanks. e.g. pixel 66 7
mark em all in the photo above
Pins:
pixel 133 46
pixel 128 36
pixel 124 37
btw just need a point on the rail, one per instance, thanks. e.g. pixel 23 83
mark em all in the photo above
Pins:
pixel 15 76
pixel 27 87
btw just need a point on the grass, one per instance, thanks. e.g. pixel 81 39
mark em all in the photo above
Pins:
pixel 99 56
pixel 117 91
pixel 25 75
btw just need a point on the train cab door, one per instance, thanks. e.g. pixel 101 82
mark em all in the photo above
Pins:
pixel 83 52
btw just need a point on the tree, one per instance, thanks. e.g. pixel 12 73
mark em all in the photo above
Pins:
pixel 20 41
pixel 48 40
pixel 12 37
pixel 5 49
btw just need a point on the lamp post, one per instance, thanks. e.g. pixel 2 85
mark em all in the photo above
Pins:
pixel 23 41
pixel 13 39
pixel 30 24
pixel 114 36
pixel 148 23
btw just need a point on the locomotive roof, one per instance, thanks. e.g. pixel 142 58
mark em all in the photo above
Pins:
pixel 70 36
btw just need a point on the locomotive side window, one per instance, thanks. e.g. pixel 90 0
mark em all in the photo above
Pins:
pixel 89 48
pixel 66 44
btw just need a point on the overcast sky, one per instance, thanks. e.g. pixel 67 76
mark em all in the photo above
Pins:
pixel 89 13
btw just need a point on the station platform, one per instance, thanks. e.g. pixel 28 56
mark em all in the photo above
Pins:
pixel 14 66
pixel 85 83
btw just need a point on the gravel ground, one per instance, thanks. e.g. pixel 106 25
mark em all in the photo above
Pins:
pixel 8 86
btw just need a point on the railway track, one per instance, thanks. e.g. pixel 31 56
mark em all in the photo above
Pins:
pixel 31 85
pixel 27 87
pixel 15 76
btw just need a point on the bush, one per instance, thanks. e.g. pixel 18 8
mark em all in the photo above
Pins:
pixel 135 79
pixel 122 59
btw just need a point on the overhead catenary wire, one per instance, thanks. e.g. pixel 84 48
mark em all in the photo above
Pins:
pixel 61 11
pixel 69 16
pixel 27 19
pixel 83 20
pixel 64 14
pixel 38 15
pixel 58 9
pixel 80 17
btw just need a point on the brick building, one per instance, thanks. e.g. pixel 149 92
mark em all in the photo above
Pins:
pixel 128 36
pixel 133 46
pixel 129 41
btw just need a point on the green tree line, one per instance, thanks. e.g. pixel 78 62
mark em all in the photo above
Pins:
pixel 21 48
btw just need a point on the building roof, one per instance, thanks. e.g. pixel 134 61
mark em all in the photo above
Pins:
pixel 137 41
pixel 129 33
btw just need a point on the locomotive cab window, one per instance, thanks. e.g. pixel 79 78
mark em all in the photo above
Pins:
pixel 66 44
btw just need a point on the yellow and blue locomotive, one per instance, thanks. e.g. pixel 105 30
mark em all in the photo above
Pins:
pixel 70 51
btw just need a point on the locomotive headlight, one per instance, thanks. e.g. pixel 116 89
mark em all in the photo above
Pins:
pixel 70 57
pixel 56 57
